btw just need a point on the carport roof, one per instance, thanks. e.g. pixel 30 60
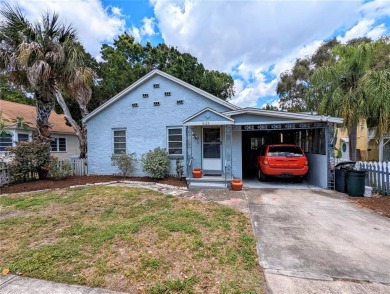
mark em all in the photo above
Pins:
pixel 283 114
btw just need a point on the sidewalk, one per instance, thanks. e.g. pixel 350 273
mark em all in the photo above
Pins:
pixel 12 284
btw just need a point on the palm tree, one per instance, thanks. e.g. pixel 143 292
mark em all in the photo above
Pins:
pixel 46 58
pixel 352 88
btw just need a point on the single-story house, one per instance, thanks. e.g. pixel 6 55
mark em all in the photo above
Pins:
pixel 65 143
pixel 201 130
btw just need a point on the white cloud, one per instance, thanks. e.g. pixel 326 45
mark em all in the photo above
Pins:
pixel 221 33
pixel 250 36
pixel 364 28
pixel 146 30
pixel 94 23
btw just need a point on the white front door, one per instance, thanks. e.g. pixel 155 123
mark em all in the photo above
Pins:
pixel 212 150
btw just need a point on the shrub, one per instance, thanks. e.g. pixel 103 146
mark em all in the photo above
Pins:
pixel 59 169
pixel 156 163
pixel 29 158
pixel 125 162
pixel 179 168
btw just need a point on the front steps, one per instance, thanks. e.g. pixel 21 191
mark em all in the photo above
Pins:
pixel 209 182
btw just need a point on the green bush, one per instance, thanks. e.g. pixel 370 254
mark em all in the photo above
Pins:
pixel 59 169
pixel 125 162
pixel 156 163
pixel 30 158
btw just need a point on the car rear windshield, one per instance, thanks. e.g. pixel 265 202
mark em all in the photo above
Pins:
pixel 284 151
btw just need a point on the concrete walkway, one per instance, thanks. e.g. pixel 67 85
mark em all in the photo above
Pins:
pixel 12 284
pixel 316 241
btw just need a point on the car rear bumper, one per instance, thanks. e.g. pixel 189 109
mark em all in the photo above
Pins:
pixel 271 171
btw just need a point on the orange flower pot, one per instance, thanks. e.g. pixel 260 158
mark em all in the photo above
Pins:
pixel 197 173
pixel 237 184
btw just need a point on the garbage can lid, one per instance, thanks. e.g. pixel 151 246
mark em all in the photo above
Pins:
pixel 346 165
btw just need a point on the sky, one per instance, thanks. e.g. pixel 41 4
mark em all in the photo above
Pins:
pixel 253 41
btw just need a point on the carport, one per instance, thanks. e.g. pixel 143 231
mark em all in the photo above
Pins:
pixel 313 133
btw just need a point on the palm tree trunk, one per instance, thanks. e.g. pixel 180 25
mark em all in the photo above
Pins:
pixel 352 134
pixel 44 110
pixel 79 131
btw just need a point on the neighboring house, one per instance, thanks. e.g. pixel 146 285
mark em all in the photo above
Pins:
pixel 65 143
pixel 362 150
pixel 368 148
pixel 201 130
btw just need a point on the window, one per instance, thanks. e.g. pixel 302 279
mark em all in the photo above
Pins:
pixel 156 85
pixel 145 95
pixel 23 137
pixel 175 141
pixel 5 141
pixel 156 103
pixel 119 141
pixel 167 93
pixel 134 105
pixel 180 101
pixel 58 145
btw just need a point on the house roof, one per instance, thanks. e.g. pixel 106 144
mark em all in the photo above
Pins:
pixel 283 114
pixel 11 110
pixel 167 76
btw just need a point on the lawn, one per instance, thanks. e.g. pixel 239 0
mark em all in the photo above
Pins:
pixel 128 239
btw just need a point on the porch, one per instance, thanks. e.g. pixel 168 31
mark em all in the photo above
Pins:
pixel 210 182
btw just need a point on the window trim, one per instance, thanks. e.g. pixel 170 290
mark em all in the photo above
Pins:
pixel 58 145
pixel 24 133
pixel 113 139
pixel 11 135
pixel 182 142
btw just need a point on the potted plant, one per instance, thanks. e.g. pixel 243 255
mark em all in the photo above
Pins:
pixel 236 184
pixel 197 172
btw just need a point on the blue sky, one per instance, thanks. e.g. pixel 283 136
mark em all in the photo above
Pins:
pixel 254 41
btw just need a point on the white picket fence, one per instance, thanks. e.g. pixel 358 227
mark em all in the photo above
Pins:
pixel 78 168
pixel 378 176
pixel 4 174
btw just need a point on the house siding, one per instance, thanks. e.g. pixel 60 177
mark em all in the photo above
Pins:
pixel 146 125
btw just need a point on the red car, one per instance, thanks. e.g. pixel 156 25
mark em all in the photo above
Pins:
pixel 282 160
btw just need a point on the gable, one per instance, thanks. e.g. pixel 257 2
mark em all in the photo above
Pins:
pixel 167 82
pixel 208 117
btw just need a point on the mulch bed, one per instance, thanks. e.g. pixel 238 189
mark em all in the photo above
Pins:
pixel 380 205
pixel 82 180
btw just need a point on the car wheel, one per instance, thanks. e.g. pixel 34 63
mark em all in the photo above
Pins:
pixel 262 177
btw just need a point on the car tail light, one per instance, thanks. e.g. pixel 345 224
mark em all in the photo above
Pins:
pixel 265 161
pixel 306 162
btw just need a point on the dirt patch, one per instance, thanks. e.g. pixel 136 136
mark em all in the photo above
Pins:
pixel 380 205
pixel 82 180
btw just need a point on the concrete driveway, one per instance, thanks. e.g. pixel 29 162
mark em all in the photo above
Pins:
pixel 316 241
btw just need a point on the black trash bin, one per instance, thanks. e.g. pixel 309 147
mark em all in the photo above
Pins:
pixel 341 170
pixel 356 180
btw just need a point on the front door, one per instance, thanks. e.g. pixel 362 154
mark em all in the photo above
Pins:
pixel 212 151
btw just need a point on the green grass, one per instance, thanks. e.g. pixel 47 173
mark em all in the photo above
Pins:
pixel 121 238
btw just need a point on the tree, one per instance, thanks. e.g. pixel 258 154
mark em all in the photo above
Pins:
pixel 46 58
pixel 126 61
pixel 11 92
pixel 294 85
pixel 352 88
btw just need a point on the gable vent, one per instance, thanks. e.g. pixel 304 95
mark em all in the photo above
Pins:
pixel 156 86
pixel 145 95
pixel 167 93
pixel 134 105
pixel 156 103
pixel 180 102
